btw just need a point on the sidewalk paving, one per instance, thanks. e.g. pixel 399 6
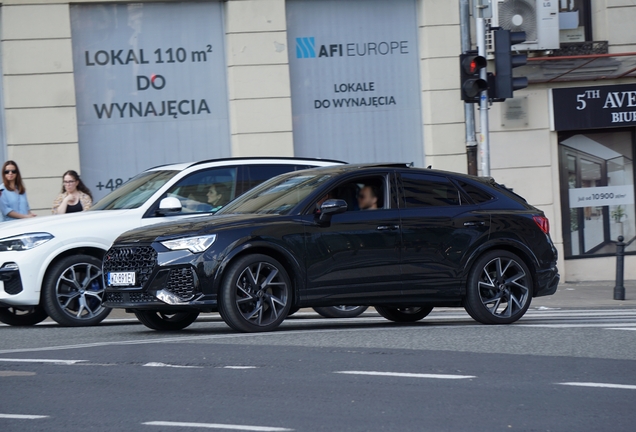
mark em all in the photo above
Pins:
pixel 588 295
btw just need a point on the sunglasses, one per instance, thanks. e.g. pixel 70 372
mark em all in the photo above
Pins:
pixel 10 171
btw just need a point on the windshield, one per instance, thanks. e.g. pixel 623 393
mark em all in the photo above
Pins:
pixel 277 196
pixel 135 191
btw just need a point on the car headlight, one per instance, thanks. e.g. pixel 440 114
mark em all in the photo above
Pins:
pixel 193 244
pixel 24 242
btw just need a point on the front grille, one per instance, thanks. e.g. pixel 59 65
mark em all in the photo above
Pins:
pixel 124 297
pixel 114 297
pixel 181 283
pixel 140 259
pixel 141 297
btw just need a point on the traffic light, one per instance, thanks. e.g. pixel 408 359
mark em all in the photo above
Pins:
pixel 505 61
pixel 471 83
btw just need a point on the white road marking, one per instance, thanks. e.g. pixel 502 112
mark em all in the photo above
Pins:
pixel 601 385
pixel 623 328
pixel 218 426
pixel 157 364
pixel 65 362
pixel 239 367
pixel 22 416
pixel 8 373
pixel 406 375
pixel 576 325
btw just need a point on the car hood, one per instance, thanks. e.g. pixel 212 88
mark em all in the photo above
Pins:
pixel 75 223
pixel 193 227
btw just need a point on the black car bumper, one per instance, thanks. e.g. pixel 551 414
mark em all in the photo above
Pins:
pixel 547 282
pixel 165 280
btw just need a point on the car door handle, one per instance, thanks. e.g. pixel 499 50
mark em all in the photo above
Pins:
pixel 388 227
pixel 474 223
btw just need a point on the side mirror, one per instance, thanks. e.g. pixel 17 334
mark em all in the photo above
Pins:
pixel 330 208
pixel 169 206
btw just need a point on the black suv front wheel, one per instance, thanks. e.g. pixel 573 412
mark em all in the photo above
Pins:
pixel 255 295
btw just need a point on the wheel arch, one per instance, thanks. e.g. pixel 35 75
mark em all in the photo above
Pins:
pixel 287 260
pixel 93 251
pixel 515 247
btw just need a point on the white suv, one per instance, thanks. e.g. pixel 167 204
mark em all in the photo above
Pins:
pixel 51 265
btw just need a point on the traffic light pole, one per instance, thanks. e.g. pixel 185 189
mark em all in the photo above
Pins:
pixel 484 139
pixel 469 108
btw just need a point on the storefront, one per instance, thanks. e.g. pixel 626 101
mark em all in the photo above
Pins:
pixel 596 129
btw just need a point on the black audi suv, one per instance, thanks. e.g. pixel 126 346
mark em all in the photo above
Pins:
pixel 400 239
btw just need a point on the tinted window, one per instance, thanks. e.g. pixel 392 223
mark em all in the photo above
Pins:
pixel 253 175
pixel 477 195
pixel 425 190
pixel 277 196
pixel 205 191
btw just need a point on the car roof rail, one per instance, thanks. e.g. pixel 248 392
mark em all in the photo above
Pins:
pixel 290 158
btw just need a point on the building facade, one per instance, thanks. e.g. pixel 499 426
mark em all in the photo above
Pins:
pixel 110 88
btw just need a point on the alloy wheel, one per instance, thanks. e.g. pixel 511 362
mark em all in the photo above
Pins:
pixel 79 291
pixel 504 287
pixel 261 293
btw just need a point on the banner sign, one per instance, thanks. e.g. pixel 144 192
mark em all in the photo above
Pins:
pixel 594 107
pixel 355 80
pixel 150 82
pixel 601 196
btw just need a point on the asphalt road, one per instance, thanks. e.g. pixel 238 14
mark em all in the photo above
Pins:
pixel 555 370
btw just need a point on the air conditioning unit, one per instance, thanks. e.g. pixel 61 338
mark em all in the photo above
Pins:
pixel 538 18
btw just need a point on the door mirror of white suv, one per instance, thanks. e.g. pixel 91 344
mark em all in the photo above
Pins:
pixel 168 206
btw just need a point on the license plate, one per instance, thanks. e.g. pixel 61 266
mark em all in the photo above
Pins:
pixel 121 278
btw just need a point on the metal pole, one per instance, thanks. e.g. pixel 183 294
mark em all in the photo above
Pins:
pixel 484 141
pixel 619 289
pixel 469 108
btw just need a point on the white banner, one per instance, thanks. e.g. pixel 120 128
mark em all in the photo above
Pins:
pixel 150 82
pixel 355 80
pixel 601 196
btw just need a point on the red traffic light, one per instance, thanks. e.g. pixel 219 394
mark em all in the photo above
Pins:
pixel 472 64
pixel 471 82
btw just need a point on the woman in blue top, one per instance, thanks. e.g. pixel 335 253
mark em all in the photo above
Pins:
pixel 14 198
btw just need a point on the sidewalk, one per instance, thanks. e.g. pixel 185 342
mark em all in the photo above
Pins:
pixel 588 295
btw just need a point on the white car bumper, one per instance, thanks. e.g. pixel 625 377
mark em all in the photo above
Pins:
pixel 19 279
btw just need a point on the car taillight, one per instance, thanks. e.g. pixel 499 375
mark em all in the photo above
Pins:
pixel 543 223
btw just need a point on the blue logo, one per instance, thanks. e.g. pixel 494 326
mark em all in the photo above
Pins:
pixel 305 47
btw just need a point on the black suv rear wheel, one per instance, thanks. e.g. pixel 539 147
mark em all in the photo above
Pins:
pixel 499 288
pixel 404 314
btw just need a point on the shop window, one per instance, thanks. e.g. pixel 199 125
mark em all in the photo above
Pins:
pixel 597 191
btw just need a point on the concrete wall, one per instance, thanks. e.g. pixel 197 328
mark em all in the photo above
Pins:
pixel 442 108
pixel 258 78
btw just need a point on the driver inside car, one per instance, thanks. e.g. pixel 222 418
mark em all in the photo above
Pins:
pixel 368 197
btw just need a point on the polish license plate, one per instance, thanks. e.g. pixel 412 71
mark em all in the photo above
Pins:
pixel 121 278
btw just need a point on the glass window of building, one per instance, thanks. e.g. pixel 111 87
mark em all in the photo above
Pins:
pixel 597 191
